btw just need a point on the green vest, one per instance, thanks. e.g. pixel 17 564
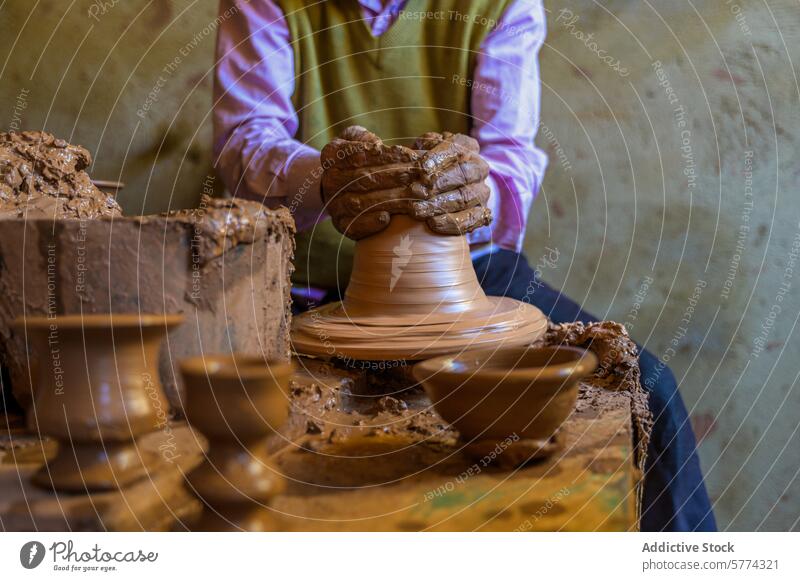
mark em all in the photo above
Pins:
pixel 414 78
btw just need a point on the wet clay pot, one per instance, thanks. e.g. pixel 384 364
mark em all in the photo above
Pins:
pixel 96 390
pixel 499 399
pixel 236 401
pixel 413 295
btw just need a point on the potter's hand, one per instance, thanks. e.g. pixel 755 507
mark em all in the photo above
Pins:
pixel 451 188
pixel 366 181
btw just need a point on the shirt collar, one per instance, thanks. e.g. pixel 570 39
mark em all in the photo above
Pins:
pixel 379 6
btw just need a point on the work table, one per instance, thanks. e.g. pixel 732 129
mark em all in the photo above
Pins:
pixel 364 451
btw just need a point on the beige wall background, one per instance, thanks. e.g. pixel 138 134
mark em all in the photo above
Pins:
pixel 670 204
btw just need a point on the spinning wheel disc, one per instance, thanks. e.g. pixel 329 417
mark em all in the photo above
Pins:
pixel 413 295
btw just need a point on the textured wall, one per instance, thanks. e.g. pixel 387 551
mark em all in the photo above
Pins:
pixel 128 79
pixel 673 205
pixel 668 204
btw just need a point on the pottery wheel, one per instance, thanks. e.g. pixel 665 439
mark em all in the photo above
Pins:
pixel 413 295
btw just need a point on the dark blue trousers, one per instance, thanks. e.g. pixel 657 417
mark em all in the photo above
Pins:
pixel 675 497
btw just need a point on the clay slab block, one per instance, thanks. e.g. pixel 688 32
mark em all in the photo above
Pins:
pixel 233 290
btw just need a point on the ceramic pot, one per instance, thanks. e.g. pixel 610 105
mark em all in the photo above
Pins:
pixel 236 401
pixel 413 294
pixel 496 395
pixel 96 389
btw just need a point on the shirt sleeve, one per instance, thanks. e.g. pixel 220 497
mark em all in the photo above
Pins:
pixel 506 91
pixel 254 118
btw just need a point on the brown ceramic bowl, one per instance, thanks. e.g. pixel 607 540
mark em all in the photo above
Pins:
pixel 493 394
pixel 236 396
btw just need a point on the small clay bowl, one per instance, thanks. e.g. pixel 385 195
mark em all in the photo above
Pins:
pixel 236 396
pixel 237 401
pixel 522 393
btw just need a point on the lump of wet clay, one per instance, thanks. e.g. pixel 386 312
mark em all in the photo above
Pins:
pixel 224 223
pixel 42 176
pixel 616 352
pixel 225 266
pixel 618 368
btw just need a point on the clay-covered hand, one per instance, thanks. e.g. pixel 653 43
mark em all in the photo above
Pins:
pixel 364 181
pixel 440 181
pixel 451 183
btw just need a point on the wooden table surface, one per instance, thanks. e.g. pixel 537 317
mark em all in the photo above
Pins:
pixel 395 482
pixel 358 478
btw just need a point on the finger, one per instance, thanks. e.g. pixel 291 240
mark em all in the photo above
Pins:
pixel 453 201
pixel 361 226
pixel 351 141
pixel 339 150
pixel 370 178
pixel 449 151
pixel 428 140
pixel 439 157
pixel 473 170
pixel 335 205
pixel 358 133
pixel 466 143
pixel 431 139
pixel 329 194
pixel 341 153
pixel 363 217
pixel 460 222
pixel 394 201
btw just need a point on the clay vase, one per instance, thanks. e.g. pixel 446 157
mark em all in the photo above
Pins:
pixel 97 390
pixel 413 294
pixel 236 401
pixel 499 399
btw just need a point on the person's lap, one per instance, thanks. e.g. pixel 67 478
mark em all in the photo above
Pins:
pixel 675 497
